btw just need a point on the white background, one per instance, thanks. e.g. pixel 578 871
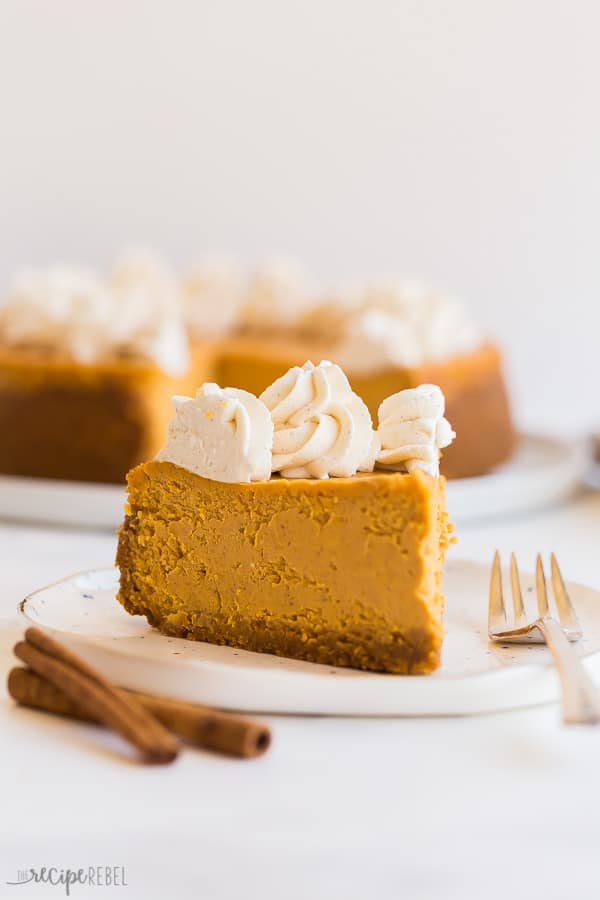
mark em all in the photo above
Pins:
pixel 453 140
pixel 458 140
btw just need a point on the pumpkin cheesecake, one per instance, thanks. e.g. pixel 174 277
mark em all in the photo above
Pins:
pixel 264 524
pixel 87 363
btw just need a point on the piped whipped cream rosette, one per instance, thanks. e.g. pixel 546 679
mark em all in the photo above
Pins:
pixel 412 429
pixel 395 324
pixel 135 313
pixel 212 297
pixel 147 316
pixel 224 434
pixel 307 424
pixel 61 308
pixel 322 428
pixel 277 296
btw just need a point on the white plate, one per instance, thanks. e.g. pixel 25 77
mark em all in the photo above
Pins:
pixel 475 676
pixel 56 502
pixel 542 471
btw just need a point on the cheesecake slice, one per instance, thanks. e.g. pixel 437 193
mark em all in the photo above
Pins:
pixel 342 571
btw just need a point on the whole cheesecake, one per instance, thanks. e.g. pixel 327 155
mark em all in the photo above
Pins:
pixel 87 365
pixel 343 570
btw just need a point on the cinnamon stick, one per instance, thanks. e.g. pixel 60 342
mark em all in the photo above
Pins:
pixel 198 725
pixel 51 647
pixel 33 690
pixel 209 728
pixel 96 696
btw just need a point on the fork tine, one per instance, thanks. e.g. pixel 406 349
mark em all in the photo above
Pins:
pixel 496 609
pixel 566 610
pixel 517 596
pixel 540 586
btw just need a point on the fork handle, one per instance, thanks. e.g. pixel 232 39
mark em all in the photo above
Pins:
pixel 580 698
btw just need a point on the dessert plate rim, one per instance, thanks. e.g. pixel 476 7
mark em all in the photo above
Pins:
pixel 494 678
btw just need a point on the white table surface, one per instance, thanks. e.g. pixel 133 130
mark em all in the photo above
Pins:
pixel 338 808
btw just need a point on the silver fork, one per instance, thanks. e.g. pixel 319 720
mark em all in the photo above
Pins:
pixel 580 699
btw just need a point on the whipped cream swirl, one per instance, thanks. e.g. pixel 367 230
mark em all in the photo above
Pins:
pixel 212 297
pixel 224 434
pixel 322 428
pixel 134 314
pixel 277 295
pixel 148 318
pixel 412 429
pixel 61 308
pixel 402 324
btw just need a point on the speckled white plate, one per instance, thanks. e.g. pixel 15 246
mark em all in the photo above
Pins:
pixel 543 471
pixel 475 676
